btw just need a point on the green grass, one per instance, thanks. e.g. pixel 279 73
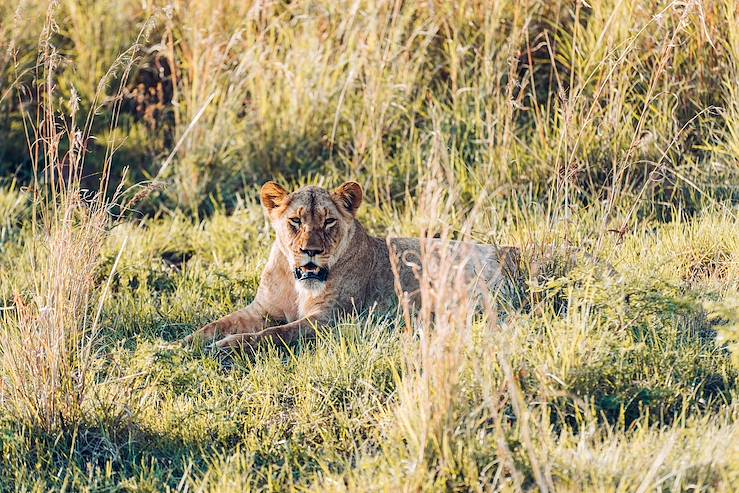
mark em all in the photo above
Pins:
pixel 610 126
pixel 613 373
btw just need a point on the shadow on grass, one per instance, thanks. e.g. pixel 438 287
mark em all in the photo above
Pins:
pixel 99 455
pixel 665 363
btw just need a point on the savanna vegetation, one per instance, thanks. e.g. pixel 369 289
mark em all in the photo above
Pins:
pixel 134 136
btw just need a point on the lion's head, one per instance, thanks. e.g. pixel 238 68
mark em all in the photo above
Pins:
pixel 313 227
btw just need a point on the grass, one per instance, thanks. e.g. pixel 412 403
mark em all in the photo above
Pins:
pixel 623 374
pixel 133 138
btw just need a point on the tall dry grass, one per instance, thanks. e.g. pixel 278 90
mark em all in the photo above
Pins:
pixel 49 343
pixel 578 103
pixel 49 340
pixel 457 350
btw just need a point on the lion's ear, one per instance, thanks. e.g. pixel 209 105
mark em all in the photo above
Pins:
pixel 272 195
pixel 349 196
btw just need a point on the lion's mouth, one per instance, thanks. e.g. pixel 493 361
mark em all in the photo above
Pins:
pixel 311 271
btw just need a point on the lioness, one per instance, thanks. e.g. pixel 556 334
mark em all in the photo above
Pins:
pixel 323 263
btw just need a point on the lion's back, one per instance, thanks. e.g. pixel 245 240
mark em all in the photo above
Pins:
pixel 473 265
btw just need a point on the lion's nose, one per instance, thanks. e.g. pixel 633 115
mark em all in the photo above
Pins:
pixel 311 252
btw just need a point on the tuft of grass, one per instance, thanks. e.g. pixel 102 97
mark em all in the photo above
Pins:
pixel 48 342
pixel 48 339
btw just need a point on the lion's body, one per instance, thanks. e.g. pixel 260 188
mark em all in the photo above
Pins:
pixel 365 276
pixel 323 263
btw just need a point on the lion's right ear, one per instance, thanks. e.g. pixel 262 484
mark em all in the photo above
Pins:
pixel 272 195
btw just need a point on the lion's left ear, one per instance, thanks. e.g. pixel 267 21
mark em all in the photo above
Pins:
pixel 349 196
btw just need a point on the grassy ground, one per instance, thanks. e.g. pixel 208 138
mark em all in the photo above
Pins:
pixel 609 126
pixel 622 384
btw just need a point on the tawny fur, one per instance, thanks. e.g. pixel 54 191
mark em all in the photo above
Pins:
pixel 361 268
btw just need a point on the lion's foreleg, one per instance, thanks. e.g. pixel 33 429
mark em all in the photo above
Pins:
pixel 249 320
pixel 285 334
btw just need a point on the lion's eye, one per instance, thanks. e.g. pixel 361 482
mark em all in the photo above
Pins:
pixel 330 222
pixel 295 221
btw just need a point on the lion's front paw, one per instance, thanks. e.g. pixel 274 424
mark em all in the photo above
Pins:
pixel 242 342
pixel 205 333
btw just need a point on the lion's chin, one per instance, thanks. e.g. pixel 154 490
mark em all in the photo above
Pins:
pixel 312 286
